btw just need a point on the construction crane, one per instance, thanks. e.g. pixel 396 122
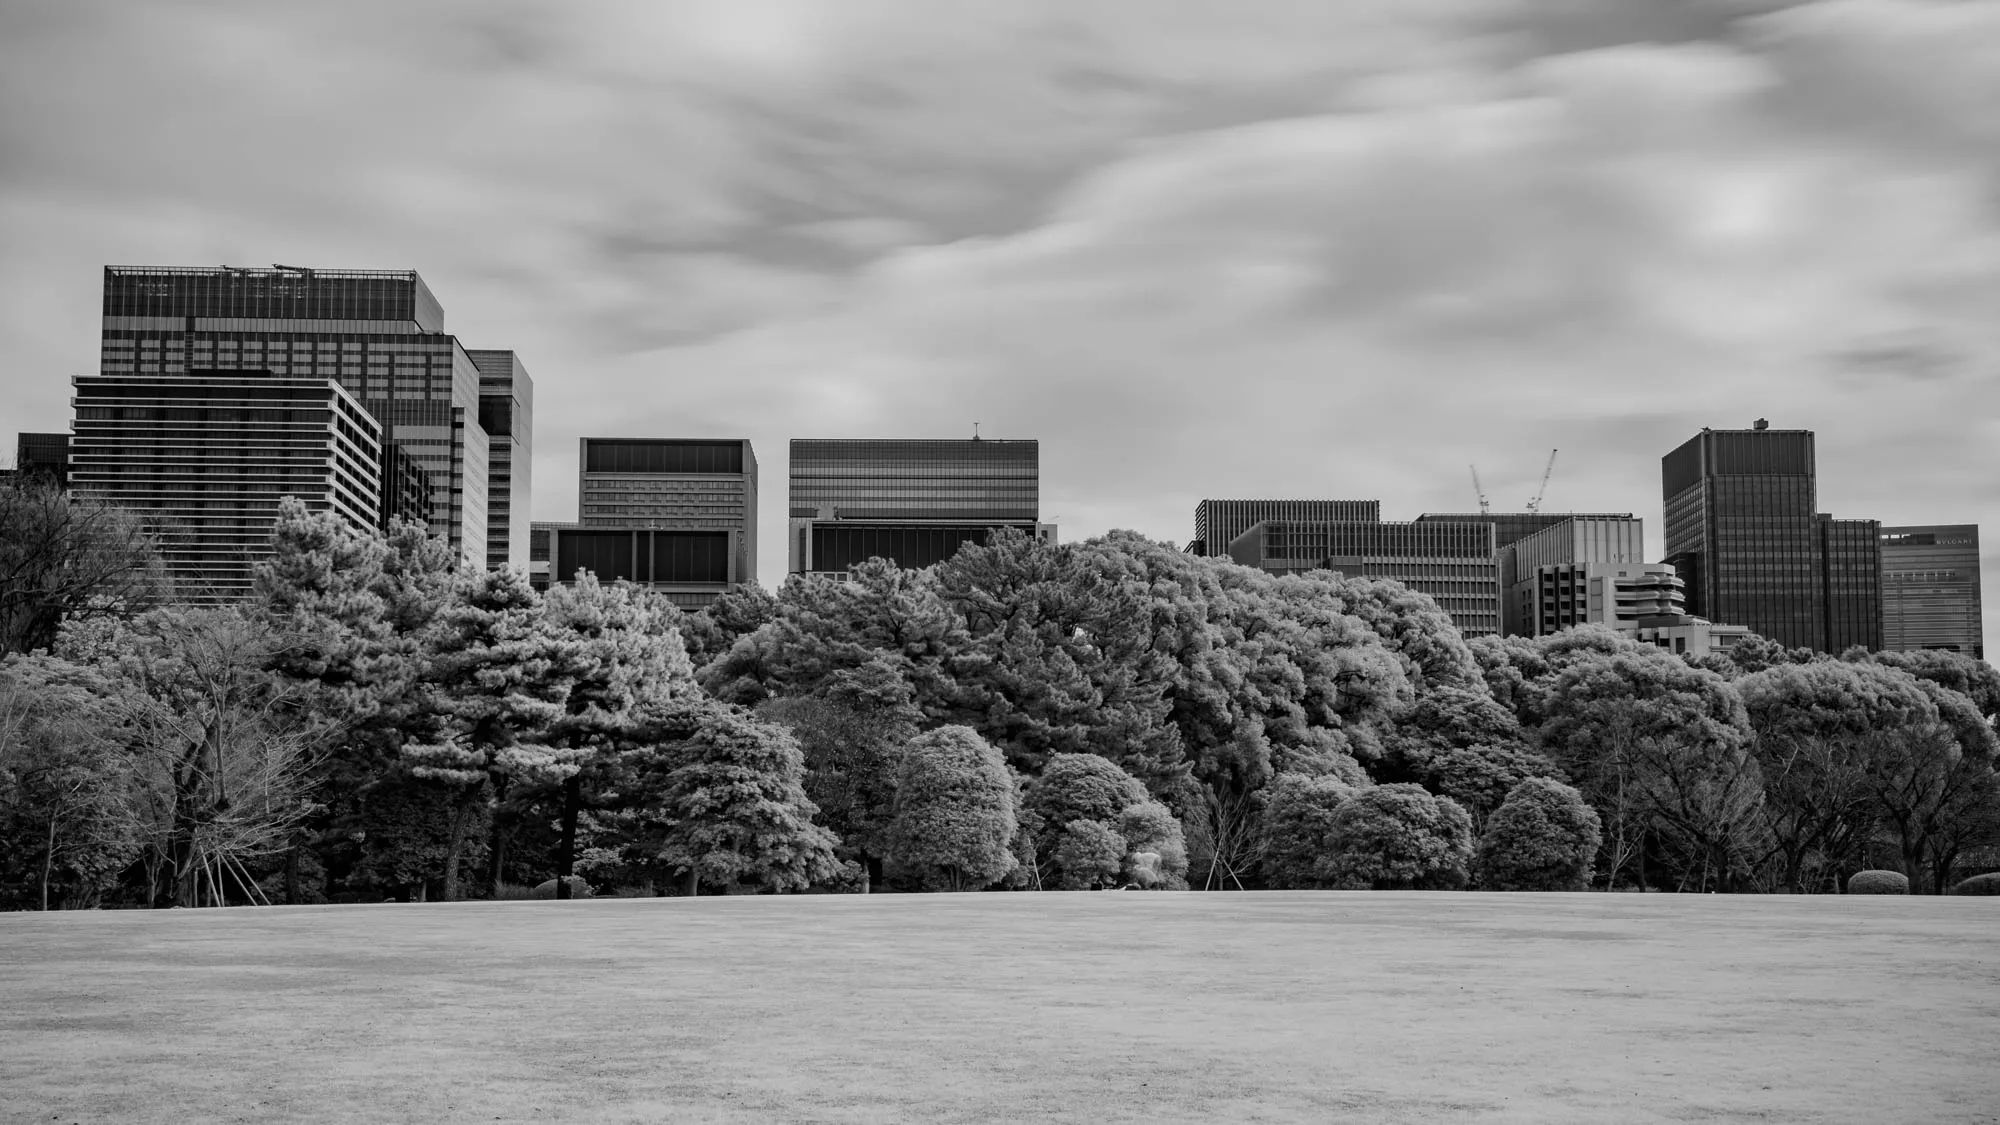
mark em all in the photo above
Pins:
pixel 1477 489
pixel 1535 505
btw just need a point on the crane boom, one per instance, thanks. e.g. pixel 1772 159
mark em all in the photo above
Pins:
pixel 1535 505
pixel 1477 489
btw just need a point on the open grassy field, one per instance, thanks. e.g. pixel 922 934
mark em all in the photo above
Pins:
pixel 1011 1007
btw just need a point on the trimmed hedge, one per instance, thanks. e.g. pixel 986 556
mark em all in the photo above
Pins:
pixel 1987 884
pixel 1878 883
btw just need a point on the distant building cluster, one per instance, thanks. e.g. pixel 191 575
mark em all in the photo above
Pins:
pixel 221 390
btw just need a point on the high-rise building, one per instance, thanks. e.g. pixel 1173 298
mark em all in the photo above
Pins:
pixel 44 454
pixel 678 515
pixel 379 333
pixel 1743 528
pixel 912 501
pixel 1930 589
pixel 1575 543
pixel 1452 563
pixel 507 414
pixel 207 455
pixel 1512 528
pixel 1217 523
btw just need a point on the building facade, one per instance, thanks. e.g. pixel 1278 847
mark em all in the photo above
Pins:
pixel 1452 563
pixel 1577 540
pixel 206 456
pixel 1743 528
pixel 1930 589
pixel 911 501
pixel 678 515
pixel 1217 523
pixel 378 333
pixel 507 414
pixel 43 454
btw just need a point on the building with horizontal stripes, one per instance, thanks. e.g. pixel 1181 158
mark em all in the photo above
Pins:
pixel 507 414
pixel 44 455
pixel 914 502
pixel 206 456
pixel 1217 523
pixel 379 333
pixel 1451 563
pixel 1931 589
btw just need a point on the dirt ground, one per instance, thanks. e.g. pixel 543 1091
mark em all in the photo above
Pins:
pixel 1012 1007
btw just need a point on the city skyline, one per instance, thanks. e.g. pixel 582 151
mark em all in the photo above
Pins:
pixel 1365 252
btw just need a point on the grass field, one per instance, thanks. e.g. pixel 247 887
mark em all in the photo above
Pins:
pixel 1011 1007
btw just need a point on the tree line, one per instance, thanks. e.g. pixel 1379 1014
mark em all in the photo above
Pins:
pixel 382 722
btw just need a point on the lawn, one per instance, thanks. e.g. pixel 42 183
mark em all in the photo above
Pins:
pixel 1008 1007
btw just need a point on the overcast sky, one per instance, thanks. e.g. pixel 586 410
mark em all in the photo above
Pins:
pixel 1324 248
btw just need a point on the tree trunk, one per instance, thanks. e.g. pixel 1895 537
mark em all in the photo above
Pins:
pixel 461 820
pixel 566 850
pixel 496 841
pixel 48 862
pixel 292 875
pixel 693 882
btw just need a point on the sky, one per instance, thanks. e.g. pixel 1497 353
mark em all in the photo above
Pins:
pixel 1319 249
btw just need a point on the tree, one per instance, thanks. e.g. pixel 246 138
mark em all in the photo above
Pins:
pixel 496 681
pixel 953 815
pixel 1155 847
pixel 66 788
pixel 67 559
pixel 1079 788
pixel 1543 837
pixel 852 732
pixel 1089 856
pixel 735 613
pixel 1398 837
pixel 1298 821
pixel 1459 743
pixel 719 797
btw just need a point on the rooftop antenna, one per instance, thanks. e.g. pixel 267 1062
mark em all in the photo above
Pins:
pixel 1477 489
pixel 975 431
pixel 1535 505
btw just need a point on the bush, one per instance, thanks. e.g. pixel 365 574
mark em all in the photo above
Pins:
pixel 1878 883
pixel 952 822
pixel 1543 837
pixel 547 888
pixel 1987 884
pixel 1088 857
pixel 1150 830
pixel 1399 837
pixel 1298 823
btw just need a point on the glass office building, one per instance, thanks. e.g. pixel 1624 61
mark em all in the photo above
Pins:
pixel 913 501
pixel 206 456
pixel 1851 583
pixel 507 414
pixel 1930 589
pixel 1451 563
pixel 378 333
pixel 43 454
pixel 678 515
pixel 1217 523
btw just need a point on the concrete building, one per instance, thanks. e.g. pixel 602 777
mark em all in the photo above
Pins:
pixel 378 333
pixel 1573 541
pixel 915 502
pixel 43 454
pixel 1217 523
pixel 507 414
pixel 1452 563
pixel 1930 589
pixel 206 456
pixel 1744 530
pixel 677 515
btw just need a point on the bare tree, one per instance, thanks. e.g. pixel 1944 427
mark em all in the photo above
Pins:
pixel 62 558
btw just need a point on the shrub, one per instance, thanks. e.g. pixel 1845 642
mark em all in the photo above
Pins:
pixel 1081 787
pixel 1878 883
pixel 1399 837
pixel 1149 829
pixel 1987 884
pixel 547 888
pixel 952 821
pixel 1298 825
pixel 1088 856
pixel 1543 837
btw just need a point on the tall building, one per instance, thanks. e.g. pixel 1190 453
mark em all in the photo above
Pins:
pixel 1930 589
pixel 507 414
pixel 912 501
pixel 207 455
pixel 1512 528
pixel 46 454
pixel 1217 523
pixel 379 333
pixel 1534 607
pixel 1452 563
pixel 678 515
pixel 1743 528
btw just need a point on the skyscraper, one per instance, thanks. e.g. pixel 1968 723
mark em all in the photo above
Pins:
pixel 379 333
pixel 507 414
pixel 913 501
pixel 678 515
pixel 206 456
pixel 1930 589
pixel 1850 554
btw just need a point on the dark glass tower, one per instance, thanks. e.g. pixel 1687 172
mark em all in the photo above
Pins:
pixel 914 501
pixel 378 333
pixel 1851 559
